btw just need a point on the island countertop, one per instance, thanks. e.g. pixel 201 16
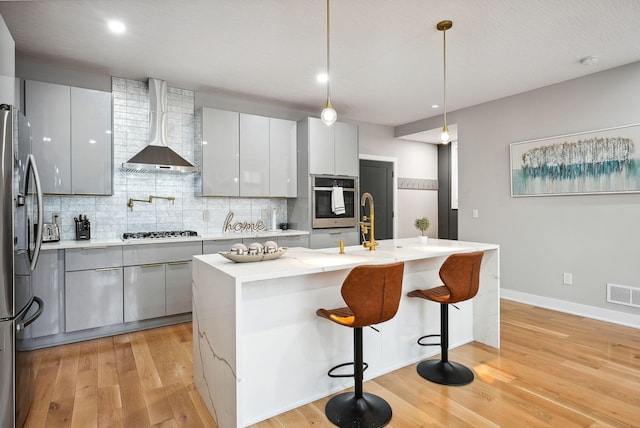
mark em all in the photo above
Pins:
pixel 259 349
pixel 302 261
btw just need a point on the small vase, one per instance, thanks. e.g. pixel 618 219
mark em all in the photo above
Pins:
pixel 423 239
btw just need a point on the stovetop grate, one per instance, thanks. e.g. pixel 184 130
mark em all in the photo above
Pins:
pixel 159 234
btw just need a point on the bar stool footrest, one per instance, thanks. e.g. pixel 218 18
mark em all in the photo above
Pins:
pixel 428 336
pixel 445 372
pixel 365 366
pixel 345 410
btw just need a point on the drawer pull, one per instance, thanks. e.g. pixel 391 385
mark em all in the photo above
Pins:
pixel 94 248
pixel 105 269
pixel 179 263
pixel 335 233
pixel 151 265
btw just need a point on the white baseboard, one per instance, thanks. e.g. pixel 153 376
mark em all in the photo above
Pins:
pixel 630 320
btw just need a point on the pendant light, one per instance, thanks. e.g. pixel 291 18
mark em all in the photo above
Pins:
pixel 443 26
pixel 328 115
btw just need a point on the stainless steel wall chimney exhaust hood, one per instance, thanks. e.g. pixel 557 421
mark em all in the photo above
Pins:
pixel 157 156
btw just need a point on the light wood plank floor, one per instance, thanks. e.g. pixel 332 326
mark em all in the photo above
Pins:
pixel 553 369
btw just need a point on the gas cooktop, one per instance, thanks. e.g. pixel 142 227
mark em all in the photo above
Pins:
pixel 159 234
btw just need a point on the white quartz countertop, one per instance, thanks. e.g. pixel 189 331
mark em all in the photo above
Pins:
pixel 93 243
pixel 303 261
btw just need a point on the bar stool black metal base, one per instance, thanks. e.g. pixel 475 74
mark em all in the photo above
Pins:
pixel 369 411
pixel 445 372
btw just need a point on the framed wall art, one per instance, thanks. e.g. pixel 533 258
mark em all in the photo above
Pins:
pixel 593 162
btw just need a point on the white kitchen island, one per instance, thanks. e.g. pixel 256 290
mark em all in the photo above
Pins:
pixel 259 349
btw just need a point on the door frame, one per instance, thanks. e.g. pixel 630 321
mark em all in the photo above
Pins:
pixel 394 161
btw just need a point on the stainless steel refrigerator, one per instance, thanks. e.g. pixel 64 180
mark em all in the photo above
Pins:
pixel 20 240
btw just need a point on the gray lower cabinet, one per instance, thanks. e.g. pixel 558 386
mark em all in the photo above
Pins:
pixel 157 279
pixel 213 247
pixel 333 238
pixel 93 287
pixel 144 292
pixel 178 291
pixel 47 281
pixel 156 290
pixel 93 298
pixel 293 241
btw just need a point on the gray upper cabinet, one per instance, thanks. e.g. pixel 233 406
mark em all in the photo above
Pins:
pixel 72 140
pixel 219 155
pixel 254 155
pixel 245 155
pixel 332 149
pixel 321 147
pixel 346 149
pixel 283 180
pixel 48 107
pixel 91 143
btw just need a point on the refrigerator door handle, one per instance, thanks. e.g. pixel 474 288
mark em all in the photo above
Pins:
pixel 21 325
pixel 31 165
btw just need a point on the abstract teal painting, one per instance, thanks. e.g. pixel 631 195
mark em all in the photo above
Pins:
pixel 602 161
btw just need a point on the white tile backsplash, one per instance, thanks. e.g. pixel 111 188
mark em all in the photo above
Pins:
pixel 109 215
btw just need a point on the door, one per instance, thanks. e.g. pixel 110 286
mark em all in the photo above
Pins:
pixel 376 177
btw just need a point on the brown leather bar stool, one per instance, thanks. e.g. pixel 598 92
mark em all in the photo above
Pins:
pixel 372 294
pixel 460 274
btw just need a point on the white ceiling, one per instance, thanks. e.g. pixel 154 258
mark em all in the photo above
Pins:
pixel 386 60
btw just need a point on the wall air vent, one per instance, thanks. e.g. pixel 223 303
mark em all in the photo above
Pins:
pixel 623 295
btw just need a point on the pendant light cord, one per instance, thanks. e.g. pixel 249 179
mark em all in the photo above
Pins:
pixel 328 53
pixel 444 57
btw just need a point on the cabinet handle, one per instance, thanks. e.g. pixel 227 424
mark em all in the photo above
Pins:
pixel 335 233
pixel 151 265
pixel 105 269
pixel 179 263
pixel 94 248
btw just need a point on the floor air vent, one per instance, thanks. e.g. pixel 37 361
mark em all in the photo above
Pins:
pixel 623 295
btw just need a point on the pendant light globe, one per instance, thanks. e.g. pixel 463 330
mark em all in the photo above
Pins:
pixel 328 115
pixel 445 136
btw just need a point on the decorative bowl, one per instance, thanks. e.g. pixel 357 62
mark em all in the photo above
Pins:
pixel 253 258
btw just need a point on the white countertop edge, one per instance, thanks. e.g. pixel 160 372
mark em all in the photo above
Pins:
pixel 303 261
pixel 93 243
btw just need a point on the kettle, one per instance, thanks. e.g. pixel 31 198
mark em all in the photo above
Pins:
pixel 50 232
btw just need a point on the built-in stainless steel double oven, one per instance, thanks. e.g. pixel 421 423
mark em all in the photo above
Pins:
pixel 323 195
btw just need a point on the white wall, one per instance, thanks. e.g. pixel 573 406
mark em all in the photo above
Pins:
pixel 594 237
pixel 414 160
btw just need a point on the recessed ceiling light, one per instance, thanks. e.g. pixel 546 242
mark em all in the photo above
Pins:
pixel 322 78
pixel 116 27
pixel 435 106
